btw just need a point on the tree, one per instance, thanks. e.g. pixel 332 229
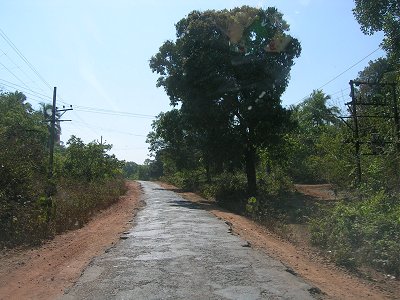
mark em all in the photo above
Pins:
pixel 22 138
pixel 23 159
pixel 313 112
pixel 89 162
pixel 317 125
pixel 382 15
pixel 228 70
pixel 171 139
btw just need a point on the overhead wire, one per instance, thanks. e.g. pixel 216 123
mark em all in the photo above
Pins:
pixel 12 73
pixel 340 74
pixel 112 130
pixel 18 67
pixel 112 112
pixel 32 97
pixel 81 108
pixel 19 53
pixel 27 91
pixel 39 96
pixel 349 68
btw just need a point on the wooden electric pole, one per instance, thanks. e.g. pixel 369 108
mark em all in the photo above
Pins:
pixel 53 120
pixel 52 132
pixel 356 132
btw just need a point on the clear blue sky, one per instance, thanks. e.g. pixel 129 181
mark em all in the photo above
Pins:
pixel 96 52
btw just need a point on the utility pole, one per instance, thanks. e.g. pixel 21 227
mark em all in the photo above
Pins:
pixel 356 132
pixel 53 120
pixel 51 187
pixel 356 116
pixel 52 133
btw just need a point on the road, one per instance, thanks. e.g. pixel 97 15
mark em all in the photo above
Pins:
pixel 178 251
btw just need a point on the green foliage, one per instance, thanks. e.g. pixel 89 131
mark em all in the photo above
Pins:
pixel 228 70
pixel 89 162
pixel 363 232
pixel 313 114
pixel 228 189
pixel 383 15
pixel 150 170
pixel 187 179
pixel 23 139
pixel 318 140
pixel 252 206
pixel 32 207
pixel 273 174
pixel 333 159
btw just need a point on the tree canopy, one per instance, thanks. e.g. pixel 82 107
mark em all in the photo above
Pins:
pixel 227 70
pixel 382 15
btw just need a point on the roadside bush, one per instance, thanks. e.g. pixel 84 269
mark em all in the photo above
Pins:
pixel 23 223
pixel 190 180
pixel 76 202
pixel 229 190
pixel 363 232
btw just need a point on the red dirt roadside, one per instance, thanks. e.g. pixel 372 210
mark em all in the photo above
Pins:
pixel 45 272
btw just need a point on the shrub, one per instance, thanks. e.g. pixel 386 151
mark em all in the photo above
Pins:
pixel 363 232
pixel 76 202
pixel 228 190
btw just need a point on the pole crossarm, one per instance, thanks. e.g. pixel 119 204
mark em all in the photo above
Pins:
pixel 355 104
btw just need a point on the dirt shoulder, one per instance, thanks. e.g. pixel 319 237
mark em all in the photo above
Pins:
pixel 334 282
pixel 45 272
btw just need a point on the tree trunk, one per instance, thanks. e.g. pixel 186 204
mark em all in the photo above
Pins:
pixel 250 156
pixel 208 172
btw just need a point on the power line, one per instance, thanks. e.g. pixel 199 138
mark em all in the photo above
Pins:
pixel 11 44
pixel 111 130
pixel 12 73
pixel 349 68
pixel 9 89
pixel 337 76
pixel 15 64
pixel 23 89
pixel 112 112
pixel 88 109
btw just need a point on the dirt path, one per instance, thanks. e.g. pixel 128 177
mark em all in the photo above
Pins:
pixel 334 282
pixel 45 272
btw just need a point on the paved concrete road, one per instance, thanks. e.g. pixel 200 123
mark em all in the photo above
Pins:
pixel 178 251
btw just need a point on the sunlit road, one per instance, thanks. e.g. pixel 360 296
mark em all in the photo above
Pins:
pixel 178 251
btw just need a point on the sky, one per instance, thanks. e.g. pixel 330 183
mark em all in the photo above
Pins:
pixel 97 52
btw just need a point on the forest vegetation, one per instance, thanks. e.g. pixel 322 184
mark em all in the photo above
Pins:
pixel 228 136
pixel 33 205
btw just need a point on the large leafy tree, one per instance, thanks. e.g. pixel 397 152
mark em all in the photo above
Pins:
pixel 22 153
pixel 228 70
pixel 382 15
pixel 23 157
